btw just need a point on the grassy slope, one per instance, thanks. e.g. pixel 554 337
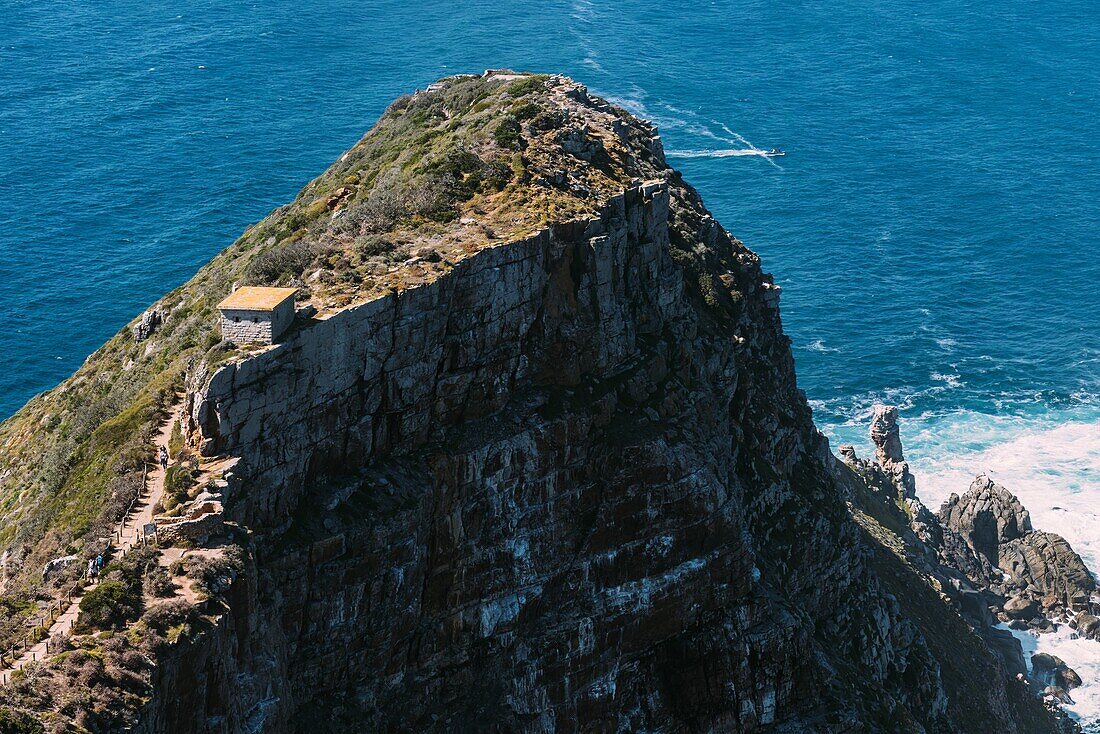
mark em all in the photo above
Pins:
pixel 71 458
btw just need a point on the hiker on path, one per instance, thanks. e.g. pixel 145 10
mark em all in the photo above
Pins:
pixel 99 562
pixel 163 458
pixel 91 569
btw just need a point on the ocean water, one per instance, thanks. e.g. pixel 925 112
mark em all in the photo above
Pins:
pixel 933 225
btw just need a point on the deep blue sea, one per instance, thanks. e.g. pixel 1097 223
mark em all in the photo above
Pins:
pixel 934 225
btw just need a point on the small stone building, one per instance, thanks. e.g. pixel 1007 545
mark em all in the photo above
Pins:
pixel 252 315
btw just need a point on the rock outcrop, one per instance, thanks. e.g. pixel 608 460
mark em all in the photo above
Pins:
pixel 1046 566
pixel 986 516
pixel 983 552
pixel 559 480
pixel 1051 670
pixel 147 324
pixel 1041 572
pixel 888 451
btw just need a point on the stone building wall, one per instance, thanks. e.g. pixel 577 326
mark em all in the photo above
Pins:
pixel 243 326
pixel 246 327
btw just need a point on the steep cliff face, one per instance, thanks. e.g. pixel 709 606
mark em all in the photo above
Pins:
pixel 558 481
pixel 557 488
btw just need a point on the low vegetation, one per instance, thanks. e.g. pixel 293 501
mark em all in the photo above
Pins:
pixel 117 600
pixel 109 606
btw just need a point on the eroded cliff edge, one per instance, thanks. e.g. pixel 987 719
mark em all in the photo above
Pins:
pixel 564 481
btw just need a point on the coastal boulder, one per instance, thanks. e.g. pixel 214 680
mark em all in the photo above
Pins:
pixel 1021 607
pixel 1087 625
pixel 1046 565
pixel 1053 671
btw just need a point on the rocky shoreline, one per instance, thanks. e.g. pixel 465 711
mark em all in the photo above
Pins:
pixel 981 550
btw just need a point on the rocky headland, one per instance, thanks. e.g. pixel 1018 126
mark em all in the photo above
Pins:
pixel 532 458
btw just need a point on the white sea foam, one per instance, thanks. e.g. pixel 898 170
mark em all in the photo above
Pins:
pixel 1080 654
pixel 950 380
pixel 1051 462
pixel 1055 471
pixel 818 345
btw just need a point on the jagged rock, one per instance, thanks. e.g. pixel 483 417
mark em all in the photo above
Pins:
pixel 955 552
pixel 1058 694
pixel 148 323
pixel 56 566
pixel 579 142
pixel 1087 625
pixel 1040 624
pixel 886 435
pixel 1053 671
pixel 1021 607
pixel 986 516
pixel 1007 648
pixel 1047 566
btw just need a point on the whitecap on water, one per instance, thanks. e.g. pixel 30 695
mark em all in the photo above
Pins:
pixel 818 345
pixel 949 380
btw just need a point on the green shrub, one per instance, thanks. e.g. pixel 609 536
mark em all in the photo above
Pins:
pixel 158 584
pixel 177 481
pixel 281 262
pixel 527 85
pixel 165 615
pixel 525 110
pixel 215 575
pixel 19 722
pixel 708 290
pixel 498 173
pixel 109 606
pixel 175 441
pixel 372 245
pixel 507 133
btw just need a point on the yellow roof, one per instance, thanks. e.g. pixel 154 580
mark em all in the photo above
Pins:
pixel 252 298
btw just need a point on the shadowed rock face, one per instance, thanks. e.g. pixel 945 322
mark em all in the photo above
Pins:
pixel 569 485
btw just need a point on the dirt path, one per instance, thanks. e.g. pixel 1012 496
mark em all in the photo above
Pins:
pixel 128 535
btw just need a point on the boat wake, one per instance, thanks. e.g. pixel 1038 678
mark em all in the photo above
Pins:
pixel 725 153
pixel 670 117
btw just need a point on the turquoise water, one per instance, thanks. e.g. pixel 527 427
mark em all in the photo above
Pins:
pixel 933 225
